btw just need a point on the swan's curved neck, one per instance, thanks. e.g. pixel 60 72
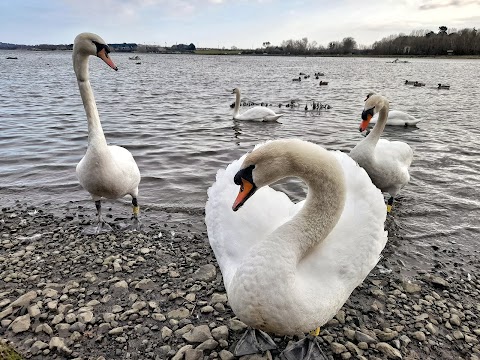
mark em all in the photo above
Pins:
pixel 95 131
pixel 377 131
pixel 237 104
pixel 323 206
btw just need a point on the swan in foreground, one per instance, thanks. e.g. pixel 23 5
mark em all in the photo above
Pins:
pixel 398 118
pixel 257 113
pixel 289 268
pixel 386 162
pixel 106 171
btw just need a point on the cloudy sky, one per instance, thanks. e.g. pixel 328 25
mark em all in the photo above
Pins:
pixel 226 23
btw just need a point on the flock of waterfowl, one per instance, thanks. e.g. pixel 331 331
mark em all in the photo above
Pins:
pixel 316 75
pixel 287 268
pixel 419 84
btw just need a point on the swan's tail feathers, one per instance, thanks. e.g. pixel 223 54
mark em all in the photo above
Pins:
pixel 272 117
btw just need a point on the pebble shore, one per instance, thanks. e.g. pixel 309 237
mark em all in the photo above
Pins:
pixel 159 295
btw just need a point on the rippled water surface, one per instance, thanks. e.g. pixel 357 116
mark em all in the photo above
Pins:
pixel 172 112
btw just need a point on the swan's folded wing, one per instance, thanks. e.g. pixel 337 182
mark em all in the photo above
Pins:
pixel 256 113
pixel 394 151
pixel 346 256
pixel 232 234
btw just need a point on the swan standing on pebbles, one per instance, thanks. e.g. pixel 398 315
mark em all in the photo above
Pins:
pixel 257 113
pixel 288 268
pixel 397 118
pixel 106 171
pixel 386 162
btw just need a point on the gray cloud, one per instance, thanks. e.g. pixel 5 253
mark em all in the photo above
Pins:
pixel 430 5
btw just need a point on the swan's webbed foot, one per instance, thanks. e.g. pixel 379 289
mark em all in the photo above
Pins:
pixel 308 348
pixel 102 226
pixel 254 341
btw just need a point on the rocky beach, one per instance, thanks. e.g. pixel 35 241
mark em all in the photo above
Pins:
pixel 159 294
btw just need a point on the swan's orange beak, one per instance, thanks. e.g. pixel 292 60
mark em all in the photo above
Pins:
pixel 247 189
pixel 102 54
pixel 364 123
pixel 366 117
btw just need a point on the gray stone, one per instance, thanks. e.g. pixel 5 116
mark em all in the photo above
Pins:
pixel 226 355
pixel 24 300
pixel 45 328
pixel 455 320
pixel 193 354
pixel 86 317
pixel 209 344
pixel 219 298
pixel 220 333
pixel 145 284
pixel 21 324
pixel 236 325
pixel 411 288
pixel 57 343
pixel 181 352
pixel 166 332
pixel 419 335
pixel 389 351
pixel 206 272
pixel 362 337
pixel 37 347
pixel 337 348
pixel 178 314
pixel 198 334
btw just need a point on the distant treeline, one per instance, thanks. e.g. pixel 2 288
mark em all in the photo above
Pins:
pixel 123 47
pixel 419 42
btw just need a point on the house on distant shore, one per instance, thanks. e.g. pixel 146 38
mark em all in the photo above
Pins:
pixel 449 52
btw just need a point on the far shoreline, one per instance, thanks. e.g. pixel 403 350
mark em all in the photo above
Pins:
pixel 240 53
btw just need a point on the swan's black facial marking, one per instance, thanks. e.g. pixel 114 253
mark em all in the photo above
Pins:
pixel 246 174
pixel 244 178
pixel 366 113
pixel 368 95
pixel 100 47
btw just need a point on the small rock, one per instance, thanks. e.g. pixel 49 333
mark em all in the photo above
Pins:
pixel 206 272
pixel 389 351
pixel 198 334
pixel 21 324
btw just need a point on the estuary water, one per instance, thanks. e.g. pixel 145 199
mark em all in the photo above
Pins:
pixel 173 113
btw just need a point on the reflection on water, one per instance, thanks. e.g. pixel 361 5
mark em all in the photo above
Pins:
pixel 172 112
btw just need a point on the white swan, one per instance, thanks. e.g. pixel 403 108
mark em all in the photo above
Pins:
pixel 106 171
pixel 386 162
pixel 398 118
pixel 257 113
pixel 289 268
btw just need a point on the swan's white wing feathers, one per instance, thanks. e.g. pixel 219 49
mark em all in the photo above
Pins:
pixel 258 113
pixel 397 118
pixel 396 154
pixel 232 234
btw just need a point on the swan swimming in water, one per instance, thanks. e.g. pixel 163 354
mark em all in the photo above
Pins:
pixel 289 268
pixel 397 118
pixel 257 113
pixel 106 171
pixel 386 162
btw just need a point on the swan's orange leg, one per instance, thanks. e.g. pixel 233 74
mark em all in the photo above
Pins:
pixel 389 205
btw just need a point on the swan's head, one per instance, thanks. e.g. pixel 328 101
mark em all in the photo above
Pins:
pixel 373 104
pixel 236 91
pixel 265 165
pixel 91 44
